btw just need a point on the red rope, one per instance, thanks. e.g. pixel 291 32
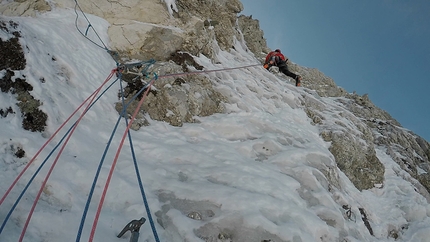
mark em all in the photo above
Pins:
pixel 102 198
pixel 44 145
pixel 59 154
pixel 92 96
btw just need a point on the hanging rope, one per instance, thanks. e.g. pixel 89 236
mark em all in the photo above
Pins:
pixel 143 73
pixel 52 151
pixel 123 113
pixel 119 150
pixel 88 27
pixel 45 144
pixel 58 156
pixel 93 230
pixel 208 71
pixel 113 165
pixel 136 168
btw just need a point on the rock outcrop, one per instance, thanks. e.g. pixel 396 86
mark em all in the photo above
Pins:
pixel 253 36
pixel 12 61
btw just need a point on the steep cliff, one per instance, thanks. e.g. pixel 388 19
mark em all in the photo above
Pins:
pixel 204 34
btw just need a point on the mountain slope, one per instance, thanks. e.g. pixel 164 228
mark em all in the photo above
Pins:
pixel 262 167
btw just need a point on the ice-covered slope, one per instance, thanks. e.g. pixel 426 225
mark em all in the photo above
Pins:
pixel 260 171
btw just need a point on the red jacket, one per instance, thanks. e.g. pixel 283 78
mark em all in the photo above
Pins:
pixel 274 54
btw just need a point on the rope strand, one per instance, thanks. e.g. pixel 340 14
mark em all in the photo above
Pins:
pixel 92 96
pixel 89 26
pixel 93 230
pixel 58 156
pixel 43 146
pixel 139 179
pixel 123 113
pixel 49 155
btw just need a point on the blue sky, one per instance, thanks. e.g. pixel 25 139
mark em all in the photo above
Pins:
pixel 380 48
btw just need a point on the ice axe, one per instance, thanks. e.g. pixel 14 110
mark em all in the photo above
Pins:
pixel 134 227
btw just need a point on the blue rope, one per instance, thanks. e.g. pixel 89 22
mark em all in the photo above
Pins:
pixel 86 31
pixel 145 74
pixel 87 205
pixel 89 26
pixel 46 159
pixel 136 168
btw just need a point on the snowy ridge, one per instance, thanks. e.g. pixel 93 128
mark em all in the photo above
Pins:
pixel 259 171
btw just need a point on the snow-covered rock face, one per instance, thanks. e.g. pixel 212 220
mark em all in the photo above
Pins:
pixel 254 158
pixel 140 29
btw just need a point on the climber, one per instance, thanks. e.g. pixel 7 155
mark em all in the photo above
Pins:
pixel 276 58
